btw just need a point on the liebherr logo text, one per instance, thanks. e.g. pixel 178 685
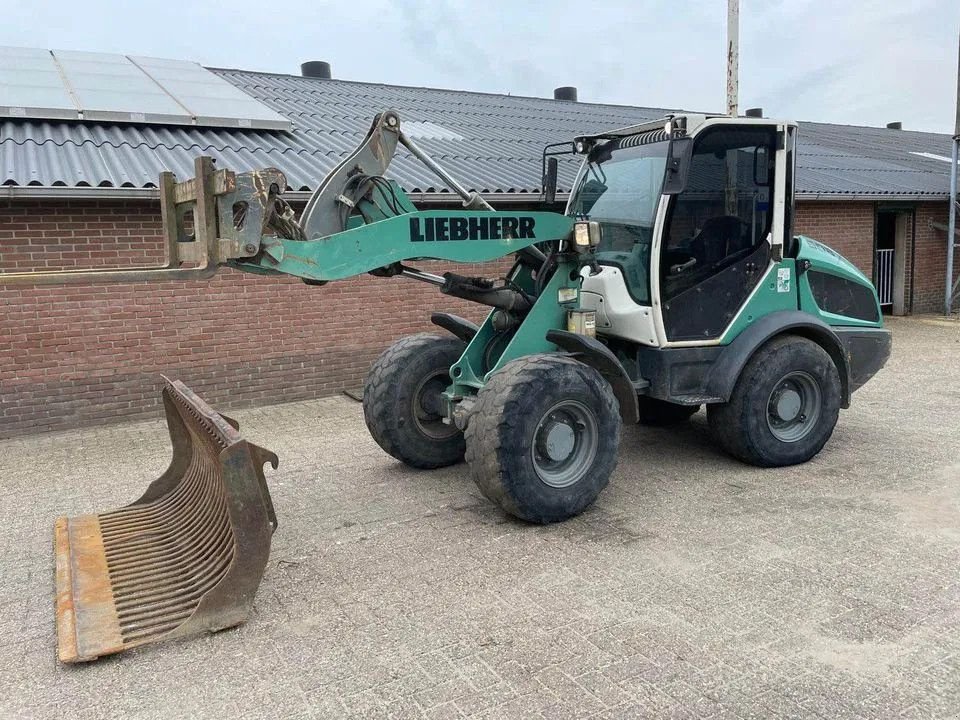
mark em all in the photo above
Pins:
pixel 440 229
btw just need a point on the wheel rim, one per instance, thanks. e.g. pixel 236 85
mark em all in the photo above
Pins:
pixel 427 406
pixel 794 406
pixel 564 444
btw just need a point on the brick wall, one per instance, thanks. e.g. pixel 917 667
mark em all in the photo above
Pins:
pixel 74 355
pixel 930 258
pixel 846 227
pixel 64 234
pixel 849 228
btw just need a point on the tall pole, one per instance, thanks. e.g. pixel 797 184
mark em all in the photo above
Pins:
pixel 731 199
pixel 952 225
pixel 733 55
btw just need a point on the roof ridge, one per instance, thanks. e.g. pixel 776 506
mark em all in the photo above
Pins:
pixel 566 103
pixel 370 83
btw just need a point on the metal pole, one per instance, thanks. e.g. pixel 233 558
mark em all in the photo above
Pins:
pixel 951 228
pixel 952 224
pixel 733 67
pixel 733 55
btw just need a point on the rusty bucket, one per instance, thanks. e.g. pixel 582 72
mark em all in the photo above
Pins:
pixel 186 557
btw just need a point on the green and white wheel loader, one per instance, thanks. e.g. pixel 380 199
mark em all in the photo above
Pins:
pixel 680 285
pixel 673 281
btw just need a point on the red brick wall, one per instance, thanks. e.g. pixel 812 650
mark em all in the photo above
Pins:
pixel 73 355
pixel 35 235
pixel 846 227
pixel 849 227
pixel 930 257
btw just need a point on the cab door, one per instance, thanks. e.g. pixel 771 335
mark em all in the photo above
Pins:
pixel 716 240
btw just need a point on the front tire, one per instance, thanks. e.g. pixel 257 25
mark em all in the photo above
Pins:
pixel 542 440
pixel 402 404
pixel 784 406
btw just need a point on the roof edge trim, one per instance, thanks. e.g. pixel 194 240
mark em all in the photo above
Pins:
pixel 871 197
pixel 35 192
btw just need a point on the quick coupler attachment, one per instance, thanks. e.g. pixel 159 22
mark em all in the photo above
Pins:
pixel 186 557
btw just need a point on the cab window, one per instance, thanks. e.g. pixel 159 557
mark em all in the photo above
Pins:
pixel 619 187
pixel 726 211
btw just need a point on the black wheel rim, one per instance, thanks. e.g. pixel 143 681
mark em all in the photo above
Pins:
pixel 565 444
pixel 794 406
pixel 427 406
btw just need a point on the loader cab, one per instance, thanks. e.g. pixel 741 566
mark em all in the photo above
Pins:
pixel 693 211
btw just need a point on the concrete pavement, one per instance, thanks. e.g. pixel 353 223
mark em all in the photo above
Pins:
pixel 696 587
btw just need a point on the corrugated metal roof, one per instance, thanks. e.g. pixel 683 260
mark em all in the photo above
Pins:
pixel 492 143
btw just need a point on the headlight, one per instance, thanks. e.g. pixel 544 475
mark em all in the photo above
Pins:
pixel 586 235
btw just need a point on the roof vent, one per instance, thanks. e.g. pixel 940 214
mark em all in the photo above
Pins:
pixel 565 93
pixel 753 112
pixel 316 69
pixel 895 126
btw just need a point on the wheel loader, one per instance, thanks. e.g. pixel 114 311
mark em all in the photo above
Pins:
pixel 673 281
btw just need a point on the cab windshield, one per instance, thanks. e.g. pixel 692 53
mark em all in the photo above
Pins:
pixel 619 187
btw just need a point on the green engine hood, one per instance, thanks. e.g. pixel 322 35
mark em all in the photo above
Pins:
pixel 829 260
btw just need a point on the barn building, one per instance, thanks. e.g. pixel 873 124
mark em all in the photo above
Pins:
pixel 78 189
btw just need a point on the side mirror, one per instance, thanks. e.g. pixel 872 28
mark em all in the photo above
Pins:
pixel 550 181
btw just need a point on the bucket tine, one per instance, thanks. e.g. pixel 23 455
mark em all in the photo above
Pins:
pixel 186 557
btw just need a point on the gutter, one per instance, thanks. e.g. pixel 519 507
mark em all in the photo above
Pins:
pixel 869 197
pixel 34 192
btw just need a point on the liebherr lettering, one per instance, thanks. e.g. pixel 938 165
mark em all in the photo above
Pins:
pixel 443 229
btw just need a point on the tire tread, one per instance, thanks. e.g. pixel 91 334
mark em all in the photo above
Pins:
pixel 380 390
pixel 494 424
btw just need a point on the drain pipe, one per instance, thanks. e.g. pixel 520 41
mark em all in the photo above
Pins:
pixel 952 224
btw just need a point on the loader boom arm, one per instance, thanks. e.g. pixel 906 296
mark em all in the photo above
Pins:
pixel 356 222
pixel 458 236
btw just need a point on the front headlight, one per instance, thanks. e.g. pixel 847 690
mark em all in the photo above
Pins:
pixel 586 235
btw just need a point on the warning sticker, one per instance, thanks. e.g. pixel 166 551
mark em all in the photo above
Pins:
pixel 783 280
pixel 763 199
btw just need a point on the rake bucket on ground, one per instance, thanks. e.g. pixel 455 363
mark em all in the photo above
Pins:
pixel 184 558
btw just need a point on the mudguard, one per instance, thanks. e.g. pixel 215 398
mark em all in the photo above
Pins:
pixel 594 353
pixel 728 366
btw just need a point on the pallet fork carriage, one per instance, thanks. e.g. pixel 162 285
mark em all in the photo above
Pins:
pixel 673 281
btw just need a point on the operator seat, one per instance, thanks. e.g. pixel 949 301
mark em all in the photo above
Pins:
pixel 719 238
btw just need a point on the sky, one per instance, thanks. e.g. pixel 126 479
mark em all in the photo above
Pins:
pixel 860 62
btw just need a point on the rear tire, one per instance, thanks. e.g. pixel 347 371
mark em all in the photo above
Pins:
pixel 542 440
pixel 402 404
pixel 784 406
pixel 659 413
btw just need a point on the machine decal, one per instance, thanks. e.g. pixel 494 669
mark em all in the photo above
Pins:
pixel 783 280
pixel 441 229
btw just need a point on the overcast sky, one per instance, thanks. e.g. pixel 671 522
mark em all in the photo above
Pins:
pixel 848 61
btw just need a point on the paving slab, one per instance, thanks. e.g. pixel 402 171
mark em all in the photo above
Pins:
pixel 695 587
